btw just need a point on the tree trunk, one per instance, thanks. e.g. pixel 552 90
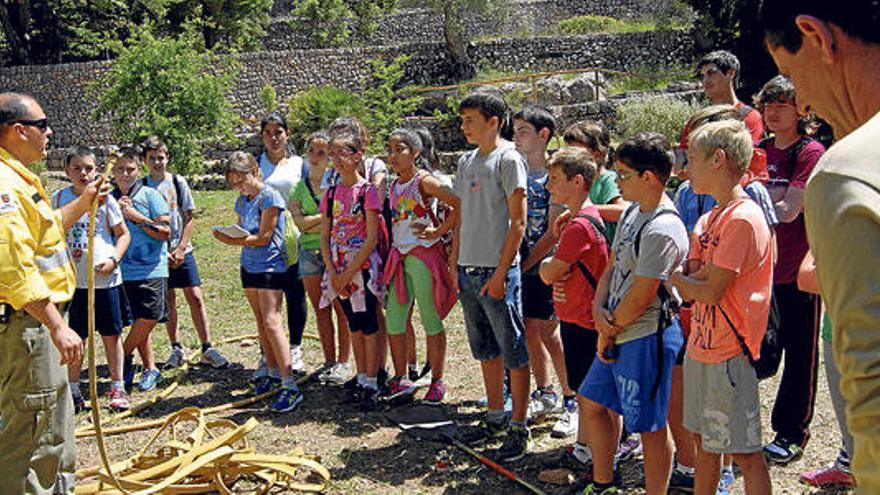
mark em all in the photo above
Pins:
pixel 14 20
pixel 457 42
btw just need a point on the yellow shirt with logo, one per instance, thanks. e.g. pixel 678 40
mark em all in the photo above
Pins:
pixel 34 264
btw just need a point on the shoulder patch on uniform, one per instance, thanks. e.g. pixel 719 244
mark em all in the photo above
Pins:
pixel 8 202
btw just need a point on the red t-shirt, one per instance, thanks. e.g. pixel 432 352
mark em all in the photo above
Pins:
pixel 791 237
pixel 581 242
pixel 753 121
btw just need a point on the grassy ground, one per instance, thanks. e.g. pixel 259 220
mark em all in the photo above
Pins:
pixel 364 452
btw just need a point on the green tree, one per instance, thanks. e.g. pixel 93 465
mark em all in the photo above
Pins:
pixel 735 25
pixel 167 87
pixel 52 31
pixel 455 17
pixel 387 102
pixel 334 22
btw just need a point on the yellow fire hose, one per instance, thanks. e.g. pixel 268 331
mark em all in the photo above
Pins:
pixel 213 457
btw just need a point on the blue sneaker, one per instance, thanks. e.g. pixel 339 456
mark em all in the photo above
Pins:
pixel 288 398
pixel 149 379
pixel 266 384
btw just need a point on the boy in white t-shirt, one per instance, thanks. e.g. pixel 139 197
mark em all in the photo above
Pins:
pixel 183 273
pixel 111 307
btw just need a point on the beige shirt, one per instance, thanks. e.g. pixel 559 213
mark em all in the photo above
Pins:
pixel 842 212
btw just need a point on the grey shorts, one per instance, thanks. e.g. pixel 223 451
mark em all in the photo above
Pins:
pixel 721 404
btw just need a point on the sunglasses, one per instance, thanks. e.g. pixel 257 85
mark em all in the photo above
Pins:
pixel 41 124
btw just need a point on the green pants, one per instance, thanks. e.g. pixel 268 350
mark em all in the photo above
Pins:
pixel 419 285
pixel 37 444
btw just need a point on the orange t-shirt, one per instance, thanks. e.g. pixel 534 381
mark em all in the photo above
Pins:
pixel 734 238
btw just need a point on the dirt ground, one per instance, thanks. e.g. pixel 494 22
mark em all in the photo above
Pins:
pixel 365 453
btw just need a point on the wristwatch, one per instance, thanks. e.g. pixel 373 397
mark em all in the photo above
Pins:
pixel 115 260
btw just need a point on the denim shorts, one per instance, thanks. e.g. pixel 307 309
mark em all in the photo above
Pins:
pixel 626 386
pixel 311 263
pixel 494 326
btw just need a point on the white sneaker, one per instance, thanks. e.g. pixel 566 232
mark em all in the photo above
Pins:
pixel 176 358
pixel 296 359
pixel 338 374
pixel 541 403
pixel 567 425
pixel 213 358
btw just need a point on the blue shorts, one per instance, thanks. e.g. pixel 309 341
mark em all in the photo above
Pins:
pixel 494 326
pixel 112 312
pixel 185 275
pixel 626 386
pixel 311 263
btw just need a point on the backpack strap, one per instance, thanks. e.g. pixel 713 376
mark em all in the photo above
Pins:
pixel 742 111
pixel 742 341
pixel 665 211
pixel 600 229
pixel 331 193
pixel 176 181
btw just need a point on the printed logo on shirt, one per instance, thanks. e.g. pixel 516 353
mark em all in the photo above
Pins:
pixel 8 203
pixel 474 186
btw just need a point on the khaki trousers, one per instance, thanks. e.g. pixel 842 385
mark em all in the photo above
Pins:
pixel 37 444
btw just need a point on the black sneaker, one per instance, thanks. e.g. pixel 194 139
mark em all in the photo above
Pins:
pixel 580 468
pixel 515 445
pixel 351 383
pixel 369 399
pixel 481 433
pixel 781 451
pixel 681 482
pixel 382 381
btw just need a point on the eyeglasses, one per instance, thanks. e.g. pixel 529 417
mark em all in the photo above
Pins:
pixel 622 176
pixel 41 124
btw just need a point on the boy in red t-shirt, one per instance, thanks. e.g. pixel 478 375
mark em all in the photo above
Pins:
pixel 729 277
pixel 580 258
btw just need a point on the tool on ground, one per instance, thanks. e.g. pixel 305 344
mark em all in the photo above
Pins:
pixel 431 422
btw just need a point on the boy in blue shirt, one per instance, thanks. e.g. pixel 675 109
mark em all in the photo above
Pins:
pixel 145 264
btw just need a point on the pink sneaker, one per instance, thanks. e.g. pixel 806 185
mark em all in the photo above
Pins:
pixel 118 400
pixel 831 476
pixel 436 392
pixel 401 389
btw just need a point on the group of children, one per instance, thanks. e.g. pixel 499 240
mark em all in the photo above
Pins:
pixel 142 253
pixel 651 309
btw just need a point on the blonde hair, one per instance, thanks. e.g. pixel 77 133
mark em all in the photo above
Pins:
pixel 730 136
pixel 241 162
pixel 575 161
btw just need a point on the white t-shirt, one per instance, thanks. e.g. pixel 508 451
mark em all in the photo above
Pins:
pixel 282 176
pixel 166 187
pixel 109 216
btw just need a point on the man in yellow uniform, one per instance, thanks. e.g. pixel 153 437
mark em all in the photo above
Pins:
pixel 36 280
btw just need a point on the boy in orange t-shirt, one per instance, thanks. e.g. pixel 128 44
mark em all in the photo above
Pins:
pixel 729 277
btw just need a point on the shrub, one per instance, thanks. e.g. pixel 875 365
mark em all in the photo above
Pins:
pixel 269 98
pixel 649 79
pixel 380 107
pixel 587 24
pixel 665 115
pixel 315 108
pixel 387 102
pixel 168 88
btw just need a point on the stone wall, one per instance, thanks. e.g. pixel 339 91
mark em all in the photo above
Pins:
pixel 419 25
pixel 62 89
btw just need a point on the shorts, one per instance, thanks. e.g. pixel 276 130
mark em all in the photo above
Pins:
pixel 311 263
pixel 185 275
pixel 112 312
pixel 495 326
pixel 537 297
pixel 579 349
pixel 626 386
pixel 148 299
pixel 366 322
pixel 262 280
pixel 721 404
